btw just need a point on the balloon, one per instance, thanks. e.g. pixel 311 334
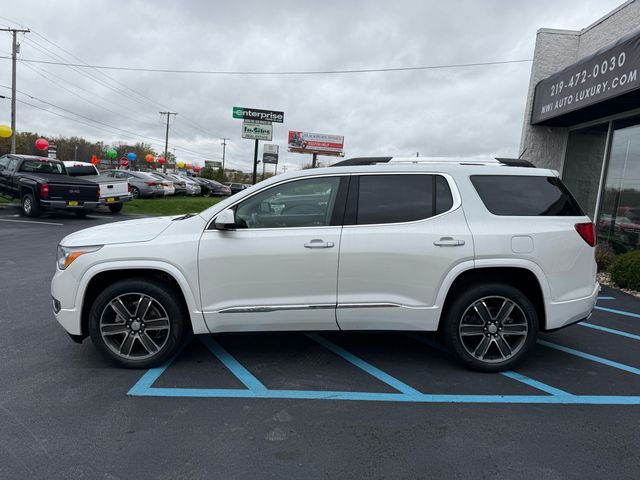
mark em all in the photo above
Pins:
pixel 111 153
pixel 196 169
pixel 131 156
pixel 42 144
pixel 180 164
pixel 94 159
pixel 124 162
pixel 188 166
pixel 5 131
pixel 148 157
pixel 161 160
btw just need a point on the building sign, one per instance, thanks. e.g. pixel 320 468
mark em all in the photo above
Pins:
pixel 257 131
pixel 270 153
pixel 602 76
pixel 305 142
pixel 255 114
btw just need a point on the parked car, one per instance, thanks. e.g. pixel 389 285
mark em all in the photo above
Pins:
pixel 213 188
pixel 485 253
pixel 192 187
pixel 236 187
pixel 167 185
pixel 43 184
pixel 141 185
pixel 113 192
pixel 178 184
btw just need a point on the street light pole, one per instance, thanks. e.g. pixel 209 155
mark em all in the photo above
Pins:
pixel 166 140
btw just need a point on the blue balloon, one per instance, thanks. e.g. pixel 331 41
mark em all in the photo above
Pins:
pixel 132 156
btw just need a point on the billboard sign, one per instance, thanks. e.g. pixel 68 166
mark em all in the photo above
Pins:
pixel 257 131
pixel 305 142
pixel 270 153
pixel 212 164
pixel 255 114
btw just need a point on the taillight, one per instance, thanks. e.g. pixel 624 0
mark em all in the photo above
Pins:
pixel 129 187
pixel 98 193
pixel 151 184
pixel 44 190
pixel 588 232
pixel 165 184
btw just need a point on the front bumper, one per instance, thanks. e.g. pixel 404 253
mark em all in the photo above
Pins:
pixel 562 314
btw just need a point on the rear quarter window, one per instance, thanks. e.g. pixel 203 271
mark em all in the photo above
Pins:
pixel 526 195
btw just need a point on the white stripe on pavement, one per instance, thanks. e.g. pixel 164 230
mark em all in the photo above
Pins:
pixel 31 221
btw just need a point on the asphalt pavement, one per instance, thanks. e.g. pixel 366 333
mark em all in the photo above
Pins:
pixel 295 405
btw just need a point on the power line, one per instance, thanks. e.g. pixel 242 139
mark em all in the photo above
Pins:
pixel 285 72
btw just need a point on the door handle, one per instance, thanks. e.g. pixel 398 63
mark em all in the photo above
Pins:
pixel 448 242
pixel 318 243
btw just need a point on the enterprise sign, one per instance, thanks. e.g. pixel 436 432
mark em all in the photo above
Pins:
pixel 255 114
pixel 607 74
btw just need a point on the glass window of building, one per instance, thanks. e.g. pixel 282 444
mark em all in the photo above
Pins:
pixel 619 215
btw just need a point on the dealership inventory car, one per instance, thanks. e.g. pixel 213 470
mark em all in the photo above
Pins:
pixel 141 185
pixel 485 253
pixel 191 186
pixel 212 188
pixel 236 187
pixel 113 192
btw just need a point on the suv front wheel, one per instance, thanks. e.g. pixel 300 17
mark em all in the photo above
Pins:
pixel 137 323
pixel 491 328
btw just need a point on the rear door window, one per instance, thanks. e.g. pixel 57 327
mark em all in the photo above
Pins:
pixel 399 198
pixel 525 195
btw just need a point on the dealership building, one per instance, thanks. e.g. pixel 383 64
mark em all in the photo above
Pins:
pixel 583 118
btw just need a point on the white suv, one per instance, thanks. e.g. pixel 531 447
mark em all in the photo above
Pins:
pixel 485 253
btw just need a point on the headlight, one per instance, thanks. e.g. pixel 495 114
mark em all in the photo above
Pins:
pixel 66 255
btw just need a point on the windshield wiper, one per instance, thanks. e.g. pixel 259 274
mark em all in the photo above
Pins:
pixel 184 217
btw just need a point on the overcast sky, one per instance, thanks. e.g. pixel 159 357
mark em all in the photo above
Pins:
pixel 452 112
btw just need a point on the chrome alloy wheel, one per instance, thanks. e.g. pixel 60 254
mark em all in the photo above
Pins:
pixel 135 326
pixel 493 329
pixel 26 205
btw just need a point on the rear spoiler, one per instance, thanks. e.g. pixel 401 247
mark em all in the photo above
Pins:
pixel 516 162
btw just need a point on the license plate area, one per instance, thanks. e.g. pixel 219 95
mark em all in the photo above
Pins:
pixel 72 203
pixel 111 200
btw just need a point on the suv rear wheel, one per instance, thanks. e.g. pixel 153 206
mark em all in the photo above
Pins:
pixel 30 206
pixel 137 323
pixel 491 328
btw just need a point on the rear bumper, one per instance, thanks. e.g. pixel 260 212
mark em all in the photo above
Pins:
pixel 63 205
pixel 562 314
pixel 116 199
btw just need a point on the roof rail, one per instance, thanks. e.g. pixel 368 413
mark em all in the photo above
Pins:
pixel 361 161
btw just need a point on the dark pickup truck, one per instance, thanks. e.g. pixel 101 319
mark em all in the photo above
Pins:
pixel 43 184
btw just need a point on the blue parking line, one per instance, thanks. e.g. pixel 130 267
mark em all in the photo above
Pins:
pixel 610 330
pixel 246 377
pixel 390 397
pixel 593 358
pixel 510 374
pixel 619 312
pixel 367 367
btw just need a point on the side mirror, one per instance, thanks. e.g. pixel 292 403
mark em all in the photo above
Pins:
pixel 226 220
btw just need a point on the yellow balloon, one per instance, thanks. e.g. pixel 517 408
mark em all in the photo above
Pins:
pixel 5 131
pixel 180 164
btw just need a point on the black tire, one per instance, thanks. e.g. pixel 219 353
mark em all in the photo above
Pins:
pixel 115 208
pixel 130 288
pixel 81 213
pixel 207 193
pixel 30 207
pixel 135 192
pixel 509 340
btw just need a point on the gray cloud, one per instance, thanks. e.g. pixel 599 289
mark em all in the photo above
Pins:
pixel 462 111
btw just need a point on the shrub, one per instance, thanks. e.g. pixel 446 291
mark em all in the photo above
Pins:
pixel 625 271
pixel 605 256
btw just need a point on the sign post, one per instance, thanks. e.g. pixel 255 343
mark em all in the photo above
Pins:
pixel 257 125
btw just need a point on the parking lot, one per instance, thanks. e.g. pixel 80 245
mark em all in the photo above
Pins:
pixel 321 405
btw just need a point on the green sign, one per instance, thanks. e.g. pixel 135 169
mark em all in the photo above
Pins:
pixel 238 112
pixel 256 114
pixel 212 164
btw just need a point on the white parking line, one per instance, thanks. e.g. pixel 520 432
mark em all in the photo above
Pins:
pixel 31 221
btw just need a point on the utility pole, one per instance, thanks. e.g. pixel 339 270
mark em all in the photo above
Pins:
pixel 224 148
pixel 166 140
pixel 14 54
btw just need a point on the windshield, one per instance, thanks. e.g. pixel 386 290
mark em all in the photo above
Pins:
pixel 43 166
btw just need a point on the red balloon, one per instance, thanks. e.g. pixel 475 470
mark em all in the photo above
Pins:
pixel 149 158
pixel 161 160
pixel 42 144
pixel 124 162
pixel 94 160
pixel 196 169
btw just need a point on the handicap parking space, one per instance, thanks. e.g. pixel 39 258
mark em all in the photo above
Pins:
pixel 589 363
